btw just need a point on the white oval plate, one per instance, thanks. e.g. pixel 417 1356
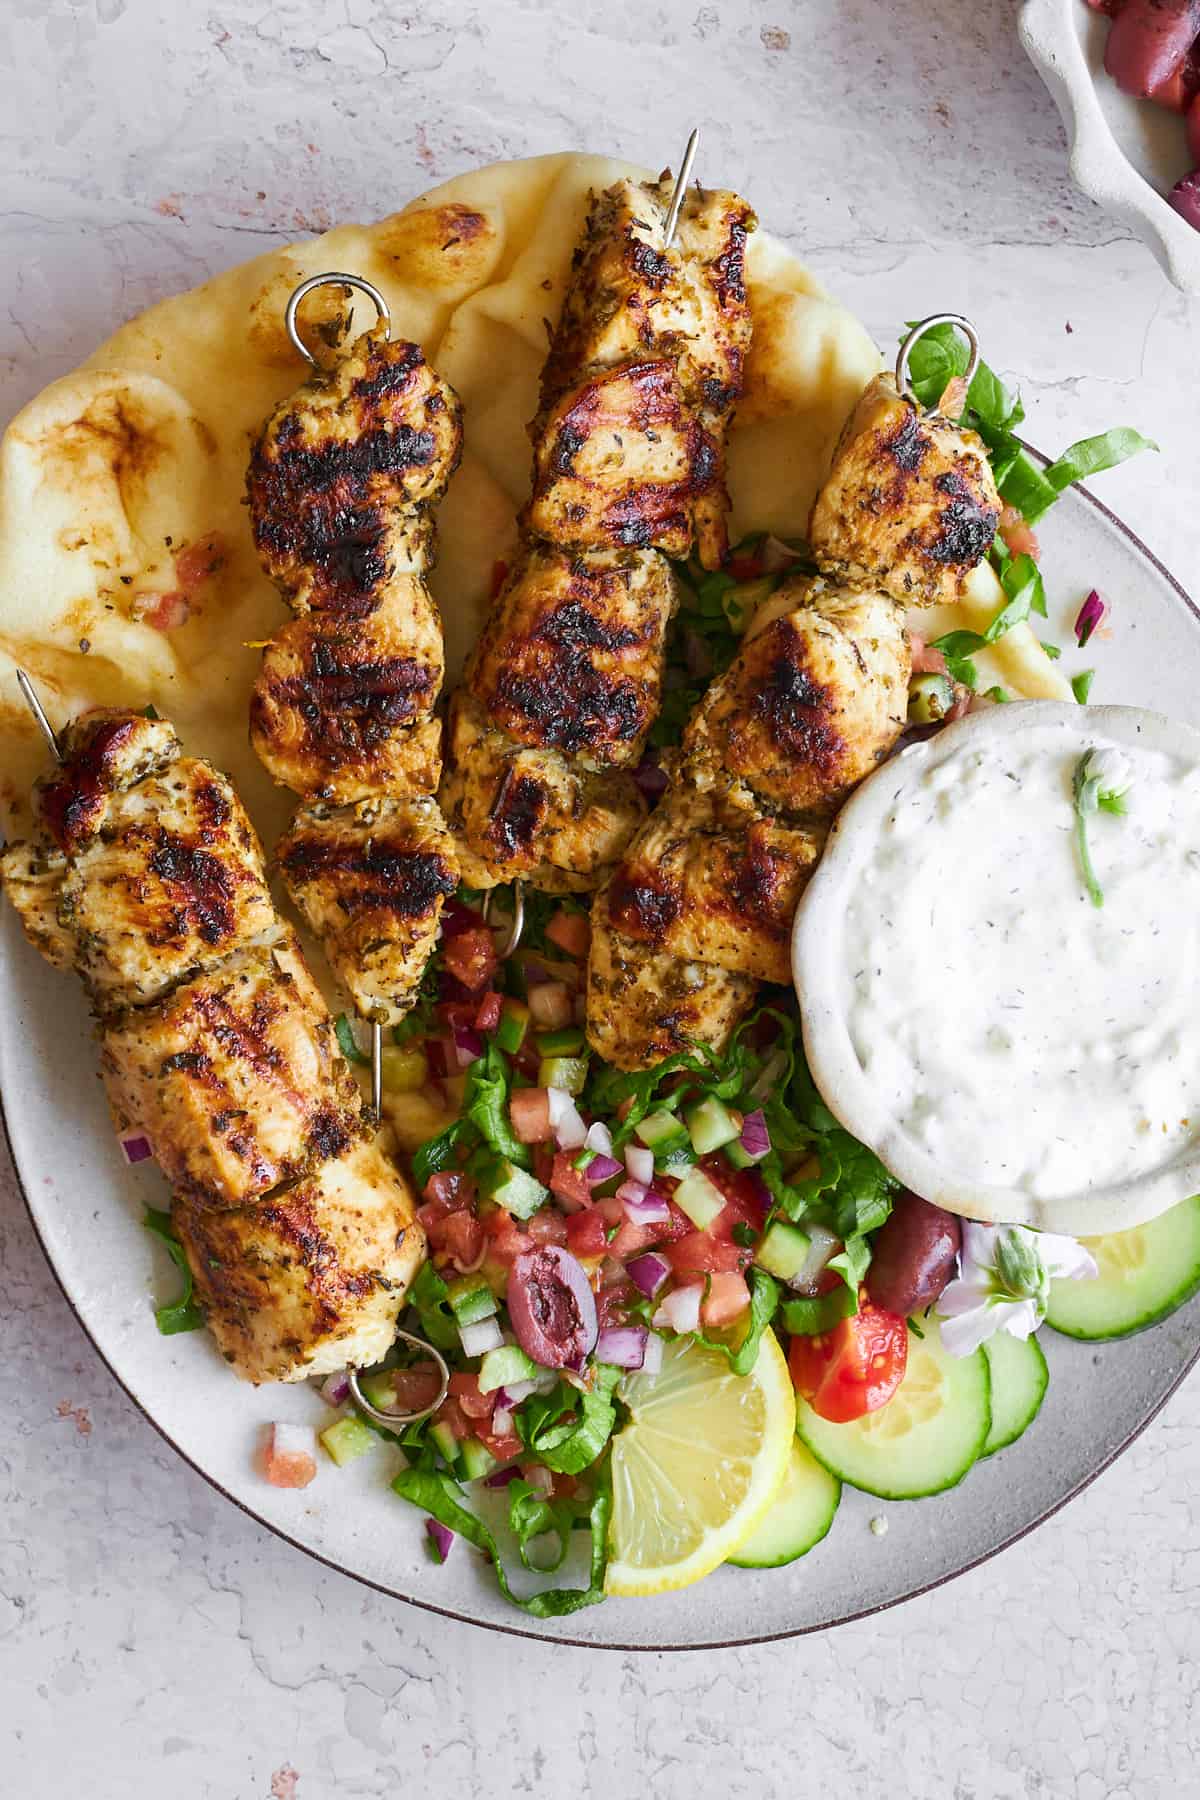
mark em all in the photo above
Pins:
pixel 86 1206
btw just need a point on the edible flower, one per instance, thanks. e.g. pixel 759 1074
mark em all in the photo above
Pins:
pixel 1003 1282
pixel 1091 613
pixel 1101 781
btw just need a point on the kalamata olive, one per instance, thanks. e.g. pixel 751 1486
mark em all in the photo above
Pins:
pixel 1185 198
pixel 552 1307
pixel 1148 41
pixel 913 1256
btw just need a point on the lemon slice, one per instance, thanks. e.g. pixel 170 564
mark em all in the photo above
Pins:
pixel 698 1464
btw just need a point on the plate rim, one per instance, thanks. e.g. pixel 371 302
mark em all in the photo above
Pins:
pixel 504 1629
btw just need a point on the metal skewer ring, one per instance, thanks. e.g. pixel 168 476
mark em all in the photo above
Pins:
pixel 382 1415
pixel 517 928
pixel 333 278
pixel 918 332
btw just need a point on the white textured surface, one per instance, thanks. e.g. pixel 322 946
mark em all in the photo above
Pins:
pixel 152 1639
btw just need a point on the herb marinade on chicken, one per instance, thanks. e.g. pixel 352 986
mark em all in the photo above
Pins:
pixel 644 370
pixel 341 487
pixel 699 909
pixel 146 876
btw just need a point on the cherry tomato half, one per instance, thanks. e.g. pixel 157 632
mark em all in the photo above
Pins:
pixel 853 1369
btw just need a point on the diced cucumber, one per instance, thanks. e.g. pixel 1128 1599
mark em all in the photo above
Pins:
pixel 783 1251
pixel 514 1023
pixel 710 1125
pixel 800 1514
pixel 347 1440
pixel 1019 1378
pixel 512 1188
pixel 741 1158
pixel 700 1198
pixel 471 1299
pixel 379 1390
pixel 1144 1275
pixel 567 1042
pixel 446 1442
pixel 661 1131
pixel 476 1459
pixel 926 1437
pixel 499 1367
pixel 805 1317
pixel 569 1073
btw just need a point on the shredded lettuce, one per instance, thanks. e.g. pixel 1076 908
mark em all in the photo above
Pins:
pixel 347 1042
pixel 483 1121
pixel 182 1314
pixel 764 1298
pixel 567 1429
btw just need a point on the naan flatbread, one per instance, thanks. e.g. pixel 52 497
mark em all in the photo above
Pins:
pixel 121 485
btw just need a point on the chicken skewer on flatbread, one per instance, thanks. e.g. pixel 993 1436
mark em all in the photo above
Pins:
pixel 699 910
pixel 342 482
pixel 144 874
pixel 638 390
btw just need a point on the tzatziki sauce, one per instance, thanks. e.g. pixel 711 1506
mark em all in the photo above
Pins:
pixel 1008 1026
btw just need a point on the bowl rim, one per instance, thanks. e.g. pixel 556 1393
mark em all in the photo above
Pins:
pixel 1097 163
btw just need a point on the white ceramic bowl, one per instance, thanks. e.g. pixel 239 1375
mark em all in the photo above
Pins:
pixel 1126 154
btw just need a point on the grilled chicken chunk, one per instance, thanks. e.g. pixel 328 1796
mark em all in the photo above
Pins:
pixel 343 707
pixel 532 814
pixel 343 471
pixel 910 505
pixel 813 702
pixel 571 657
pixel 312 1278
pixel 645 1004
pixel 171 879
pixel 707 886
pixel 625 463
pixel 370 880
pixel 235 1078
pixel 31 874
pixel 103 752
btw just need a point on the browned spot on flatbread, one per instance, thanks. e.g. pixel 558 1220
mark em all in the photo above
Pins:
pixel 448 248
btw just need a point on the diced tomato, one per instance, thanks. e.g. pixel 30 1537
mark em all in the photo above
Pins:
pixel 505 1239
pixel 451 1413
pixel 727 1299
pixel 547 1226
pixel 746 568
pixel 613 1303
pixel 471 957
pixel 457 918
pixel 167 612
pixel 529 1111
pixel 1018 534
pixel 488 1016
pixel 571 931
pixel 503 1445
pixel 586 1232
pixel 745 1192
pixel 416 1388
pixel 568 1182
pixel 925 660
pixel 450 1187
pixel 465 1389
pixel 853 1369
pixel 700 1253
pixel 461 1238
pixel 631 1239
pixel 287 1468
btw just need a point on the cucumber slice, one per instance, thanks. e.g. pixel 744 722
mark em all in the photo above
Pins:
pixel 800 1515
pixel 925 1438
pixel 709 1125
pixel 1144 1275
pixel 1019 1377
pixel 700 1198
pixel 783 1251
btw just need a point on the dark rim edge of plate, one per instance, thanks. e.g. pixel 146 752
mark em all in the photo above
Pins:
pixel 574 1643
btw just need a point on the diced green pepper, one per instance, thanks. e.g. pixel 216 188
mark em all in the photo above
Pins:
pixel 506 1364
pixel 347 1440
pixel 514 1023
pixel 569 1073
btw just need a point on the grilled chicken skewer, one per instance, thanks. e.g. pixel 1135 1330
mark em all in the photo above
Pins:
pixel 341 485
pixel 144 874
pixel 699 910
pixel 644 370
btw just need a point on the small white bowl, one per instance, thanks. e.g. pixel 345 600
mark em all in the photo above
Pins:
pixel 1126 154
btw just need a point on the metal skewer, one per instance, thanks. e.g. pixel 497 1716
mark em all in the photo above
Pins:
pixel 30 696
pixel 518 919
pixel 685 174
pixel 381 1414
pixel 918 332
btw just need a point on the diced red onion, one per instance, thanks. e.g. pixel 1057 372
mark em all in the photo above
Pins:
pixel 501 1477
pixel 769 1074
pixel 468 1046
pixel 536 973
pixel 1185 198
pixel 1090 615
pixel 642 1205
pixel 481 1337
pixel 624 1346
pixel 652 1357
pixel 640 1163
pixel 651 779
pixel 602 1168
pixel 648 1272
pixel 335 1388
pixel 457 918
pixel 599 1138
pixel 513 1392
pixel 538 1476
pixel 502 1421
pixel 680 1311
pixel 570 1132
pixel 755 1138
pixel 823 1244
pixel 442 1536
pixel 136 1149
